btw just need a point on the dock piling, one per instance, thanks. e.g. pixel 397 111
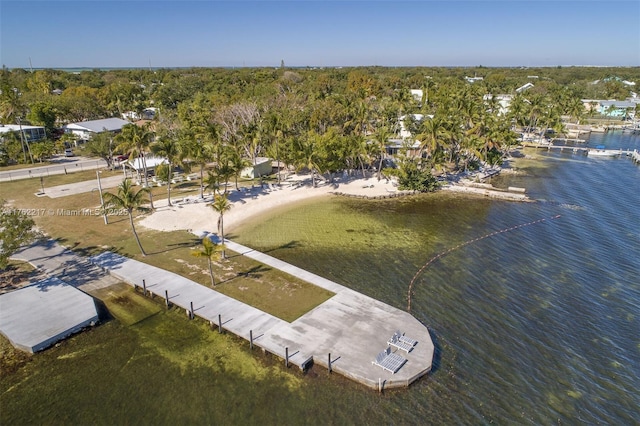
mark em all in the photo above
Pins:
pixel 166 298
pixel 191 315
pixel 219 323
pixel 144 287
pixel 329 363
pixel 251 339
pixel 286 357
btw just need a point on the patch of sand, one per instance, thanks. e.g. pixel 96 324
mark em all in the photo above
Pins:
pixel 195 215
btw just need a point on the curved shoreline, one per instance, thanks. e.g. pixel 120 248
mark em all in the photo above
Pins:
pixel 195 215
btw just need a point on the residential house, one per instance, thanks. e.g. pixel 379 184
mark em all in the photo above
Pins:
pixel 404 132
pixel 30 133
pixel 84 130
pixel 524 87
pixel 417 94
pixel 262 167
pixel 618 109
pixel 146 114
pixel 503 102
pixel 394 146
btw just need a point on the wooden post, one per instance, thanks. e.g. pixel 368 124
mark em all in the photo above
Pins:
pixel 166 298
pixel 192 316
pixel 250 339
pixel 286 357
pixel 330 370
pixel 219 323
pixel 144 287
pixel 379 384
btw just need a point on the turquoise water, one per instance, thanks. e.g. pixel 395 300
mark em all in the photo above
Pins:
pixel 535 324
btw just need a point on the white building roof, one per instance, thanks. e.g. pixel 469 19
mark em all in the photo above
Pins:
pixel 97 126
pixel 6 128
pixel 525 87
pixel 152 162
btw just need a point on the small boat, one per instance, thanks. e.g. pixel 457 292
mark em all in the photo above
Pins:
pixel 600 151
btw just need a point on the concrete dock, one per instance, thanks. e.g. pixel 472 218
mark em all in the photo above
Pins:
pixel 345 333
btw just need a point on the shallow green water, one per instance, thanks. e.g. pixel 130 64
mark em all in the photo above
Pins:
pixel 534 306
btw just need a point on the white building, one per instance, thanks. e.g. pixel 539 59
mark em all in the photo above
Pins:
pixel 262 167
pixel 503 102
pixel 84 130
pixel 524 87
pixel 30 133
pixel 147 114
pixel 417 94
pixel 404 132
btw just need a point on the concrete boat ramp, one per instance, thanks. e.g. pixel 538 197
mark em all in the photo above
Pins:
pixel 345 333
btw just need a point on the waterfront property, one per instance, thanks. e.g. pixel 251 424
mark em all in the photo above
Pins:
pixel 343 334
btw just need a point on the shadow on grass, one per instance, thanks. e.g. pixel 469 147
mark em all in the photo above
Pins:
pixel 103 312
pixel 289 245
pixel 255 272
pixel 190 243
pixel 86 251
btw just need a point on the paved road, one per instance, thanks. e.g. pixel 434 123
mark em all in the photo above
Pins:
pixel 80 187
pixel 62 165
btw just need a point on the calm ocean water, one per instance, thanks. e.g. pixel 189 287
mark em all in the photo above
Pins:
pixel 538 324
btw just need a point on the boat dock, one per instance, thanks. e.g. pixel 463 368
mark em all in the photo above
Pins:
pixel 346 334
pixel 585 150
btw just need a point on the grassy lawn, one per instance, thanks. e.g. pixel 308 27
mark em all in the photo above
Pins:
pixel 246 280
pixel 149 366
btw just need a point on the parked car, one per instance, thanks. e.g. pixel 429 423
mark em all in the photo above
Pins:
pixel 69 153
pixel 119 159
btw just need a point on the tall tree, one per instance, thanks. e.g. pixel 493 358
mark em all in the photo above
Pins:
pixel 16 230
pixel 381 138
pixel 168 147
pixel 129 199
pixel 135 140
pixel 101 145
pixel 221 205
pixel 208 250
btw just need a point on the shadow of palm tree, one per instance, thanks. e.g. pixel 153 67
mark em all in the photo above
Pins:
pixel 192 242
pixel 255 272
pixel 289 245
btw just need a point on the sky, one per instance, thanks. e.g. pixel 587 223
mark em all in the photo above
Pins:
pixel 162 33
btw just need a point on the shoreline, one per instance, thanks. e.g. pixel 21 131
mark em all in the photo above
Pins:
pixel 194 214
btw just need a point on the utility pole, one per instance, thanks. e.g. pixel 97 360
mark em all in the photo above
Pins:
pixel 104 212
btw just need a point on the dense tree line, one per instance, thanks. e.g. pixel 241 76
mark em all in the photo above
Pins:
pixel 322 120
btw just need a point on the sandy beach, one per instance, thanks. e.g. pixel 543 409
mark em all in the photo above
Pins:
pixel 195 215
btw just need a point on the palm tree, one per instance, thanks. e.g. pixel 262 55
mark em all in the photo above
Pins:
pixel 381 137
pixel 209 249
pixel 168 148
pixel 128 199
pixel 134 140
pixel 221 205
pixel 200 149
